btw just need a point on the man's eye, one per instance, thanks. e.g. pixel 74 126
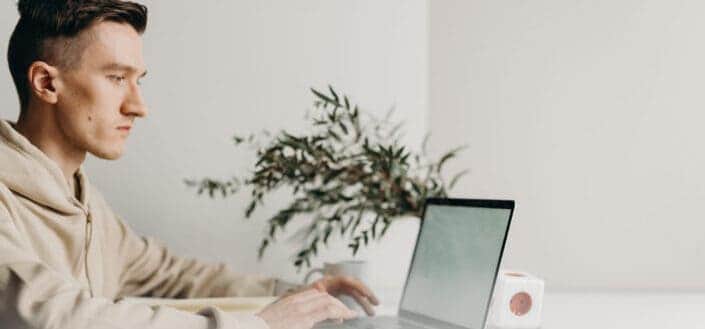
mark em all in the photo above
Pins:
pixel 117 78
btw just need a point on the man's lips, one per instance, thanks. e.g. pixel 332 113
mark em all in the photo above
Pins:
pixel 125 128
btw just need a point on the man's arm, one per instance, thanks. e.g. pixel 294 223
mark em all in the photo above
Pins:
pixel 33 295
pixel 150 269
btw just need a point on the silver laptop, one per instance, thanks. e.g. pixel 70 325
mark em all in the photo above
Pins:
pixel 453 270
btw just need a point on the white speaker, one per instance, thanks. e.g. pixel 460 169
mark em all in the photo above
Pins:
pixel 516 302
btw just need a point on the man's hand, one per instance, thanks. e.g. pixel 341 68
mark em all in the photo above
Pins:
pixel 345 285
pixel 304 309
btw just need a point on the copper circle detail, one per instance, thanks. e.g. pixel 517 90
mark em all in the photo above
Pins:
pixel 520 304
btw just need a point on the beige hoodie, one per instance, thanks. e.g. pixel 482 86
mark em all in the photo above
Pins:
pixel 64 261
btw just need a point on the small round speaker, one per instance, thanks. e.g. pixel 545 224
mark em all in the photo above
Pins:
pixel 516 302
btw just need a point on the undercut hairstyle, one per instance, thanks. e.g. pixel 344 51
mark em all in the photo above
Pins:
pixel 50 31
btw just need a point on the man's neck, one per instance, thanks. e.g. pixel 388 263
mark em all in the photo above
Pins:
pixel 42 130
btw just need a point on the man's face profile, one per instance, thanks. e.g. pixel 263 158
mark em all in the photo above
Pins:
pixel 99 98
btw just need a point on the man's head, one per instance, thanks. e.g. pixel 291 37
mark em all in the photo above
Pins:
pixel 80 62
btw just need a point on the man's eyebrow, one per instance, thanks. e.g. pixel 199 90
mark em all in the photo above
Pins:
pixel 122 67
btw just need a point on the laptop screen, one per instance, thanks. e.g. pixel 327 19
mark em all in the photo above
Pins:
pixel 455 263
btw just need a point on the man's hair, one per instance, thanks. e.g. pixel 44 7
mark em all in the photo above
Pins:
pixel 48 31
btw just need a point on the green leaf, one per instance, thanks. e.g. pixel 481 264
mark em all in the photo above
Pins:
pixel 356 224
pixel 327 233
pixel 250 209
pixel 456 178
pixel 343 127
pixel 331 175
pixel 322 96
pixel 333 134
pixel 374 227
pixel 272 230
pixel 449 155
pixel 355 246
pixel 262 247
pixel 387 224
pixel 333 93
pixel 424 144
pixel 399 152
pixel 344 227
pixel 314 248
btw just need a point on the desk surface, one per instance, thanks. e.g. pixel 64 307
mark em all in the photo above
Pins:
pixel 616 310
pixel 561 310
pixel 608 310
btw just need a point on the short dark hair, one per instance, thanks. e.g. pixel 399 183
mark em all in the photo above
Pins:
pixel 44 21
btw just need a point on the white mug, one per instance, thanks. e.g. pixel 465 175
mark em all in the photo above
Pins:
pixel 354 268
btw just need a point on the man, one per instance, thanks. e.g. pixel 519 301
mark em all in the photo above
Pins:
pixel 65 256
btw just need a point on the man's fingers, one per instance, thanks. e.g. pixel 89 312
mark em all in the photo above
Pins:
pixel 364 302
pixel 332 309
pixel 300 297
pixel 314 304
pixel 348 312
pixel 304 310
pixel 353 284
pixel 303 296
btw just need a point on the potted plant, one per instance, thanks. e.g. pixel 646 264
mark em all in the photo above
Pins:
pixel 349 175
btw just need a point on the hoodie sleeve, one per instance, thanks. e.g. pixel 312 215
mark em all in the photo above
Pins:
pixel 33 295
pixel 150 269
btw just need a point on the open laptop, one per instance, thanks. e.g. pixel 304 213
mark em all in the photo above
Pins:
pixel 454 267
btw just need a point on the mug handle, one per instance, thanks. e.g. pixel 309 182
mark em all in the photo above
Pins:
pixel 312 272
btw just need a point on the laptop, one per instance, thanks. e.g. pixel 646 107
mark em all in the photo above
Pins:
pixel 453 270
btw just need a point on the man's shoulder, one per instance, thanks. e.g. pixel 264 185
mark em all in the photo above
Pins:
pixel 7 199
pixel 4 189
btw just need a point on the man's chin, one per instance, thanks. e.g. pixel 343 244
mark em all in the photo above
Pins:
pixel 107 154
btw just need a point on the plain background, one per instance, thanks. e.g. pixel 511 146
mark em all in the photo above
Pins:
pixel 587 113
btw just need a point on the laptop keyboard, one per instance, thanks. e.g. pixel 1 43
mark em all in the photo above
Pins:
pixel 375 323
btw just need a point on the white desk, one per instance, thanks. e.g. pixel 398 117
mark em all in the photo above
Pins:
pixel 613 310
pixel 621 310
pixel 564 310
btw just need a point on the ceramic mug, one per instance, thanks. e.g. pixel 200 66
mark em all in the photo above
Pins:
pixel 354 268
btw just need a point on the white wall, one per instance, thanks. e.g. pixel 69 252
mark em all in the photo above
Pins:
pixel 9 104
pixel 589 114
pixel 586 112
pixel 217 68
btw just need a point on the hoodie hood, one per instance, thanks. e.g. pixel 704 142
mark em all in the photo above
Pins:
pixel 28 172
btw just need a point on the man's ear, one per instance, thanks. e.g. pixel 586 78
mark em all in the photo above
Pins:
pixel 43 80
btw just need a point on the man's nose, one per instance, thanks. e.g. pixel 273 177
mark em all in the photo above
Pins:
pixel 135 105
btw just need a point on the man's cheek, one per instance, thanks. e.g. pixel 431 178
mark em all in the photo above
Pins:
pixel 98 130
